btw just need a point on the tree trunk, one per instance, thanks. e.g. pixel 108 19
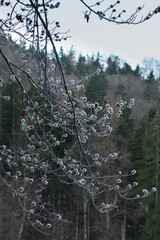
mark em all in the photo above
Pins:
pixel 123 226
pixel 77 222
pixel 85 213
pixel 107 226
pixel 1 216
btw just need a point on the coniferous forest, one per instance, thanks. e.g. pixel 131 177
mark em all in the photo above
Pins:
pixel 79 139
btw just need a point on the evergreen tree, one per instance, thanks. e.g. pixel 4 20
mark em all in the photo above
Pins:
pixel 81 66
pixel 125 125
pixel 67 61
pixel 126 69
pixel 113 66
pixel 96 88
pixel 137 71
pixel 151 87
pixel 10 113
pixel 145 152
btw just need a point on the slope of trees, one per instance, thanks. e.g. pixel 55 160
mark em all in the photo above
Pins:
pixel 145 153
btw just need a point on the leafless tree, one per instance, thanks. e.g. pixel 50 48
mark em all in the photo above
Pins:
pixel 52 117
pixel 112 13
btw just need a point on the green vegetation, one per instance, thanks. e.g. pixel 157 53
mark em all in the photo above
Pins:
pixel 145 149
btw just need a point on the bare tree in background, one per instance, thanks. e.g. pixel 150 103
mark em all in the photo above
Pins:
pixel 54 123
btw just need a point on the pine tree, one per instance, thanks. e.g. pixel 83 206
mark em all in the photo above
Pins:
pixel 145 153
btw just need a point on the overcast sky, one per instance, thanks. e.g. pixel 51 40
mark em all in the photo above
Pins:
pixel 130 42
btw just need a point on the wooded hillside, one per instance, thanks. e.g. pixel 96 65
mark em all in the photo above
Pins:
pixel 135 133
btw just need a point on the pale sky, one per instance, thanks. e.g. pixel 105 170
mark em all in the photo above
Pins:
pixel 130 42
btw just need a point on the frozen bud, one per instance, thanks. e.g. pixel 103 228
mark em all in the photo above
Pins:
pixel 21 189
pixel 70 172
pixel 115 155
pixel 8 174
pixel 72 81
pixel 132 101
pixel 129 186
pixel 33 204
pixel 120 173
pixel 133 172
pixel 119 180
pixel 97 163
pixel 103 204
pixel 46 182
pixel 135 183
pixel 116 187
pixel 98 71
pixel 84 99
pixel 31 211
pixel 145 191
pixel 107 205
pixel 7 98
pixel 154 189
pixel 120 112
pixel 19 173
pixel 48 225
pixel 26 179
pixel 59 217
pixel 137 196
pixel 41 207
pixel 52 66
pixel 57 143
pixel 37 222
pixel 31 180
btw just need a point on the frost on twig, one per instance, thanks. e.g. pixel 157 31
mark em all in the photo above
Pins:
pixel 54 124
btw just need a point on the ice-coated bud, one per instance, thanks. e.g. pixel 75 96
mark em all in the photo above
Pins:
pixel 103 204
pixel 33 204
pixel 59 217
pixel 154 189
pixel 135 183
pixel 107 205
pixel 133 172
pixel 145 191
pixel 118 180
pixel 115 155
pixel 21 189
pixel 8 174
pixel 31 211
pixel 19 173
